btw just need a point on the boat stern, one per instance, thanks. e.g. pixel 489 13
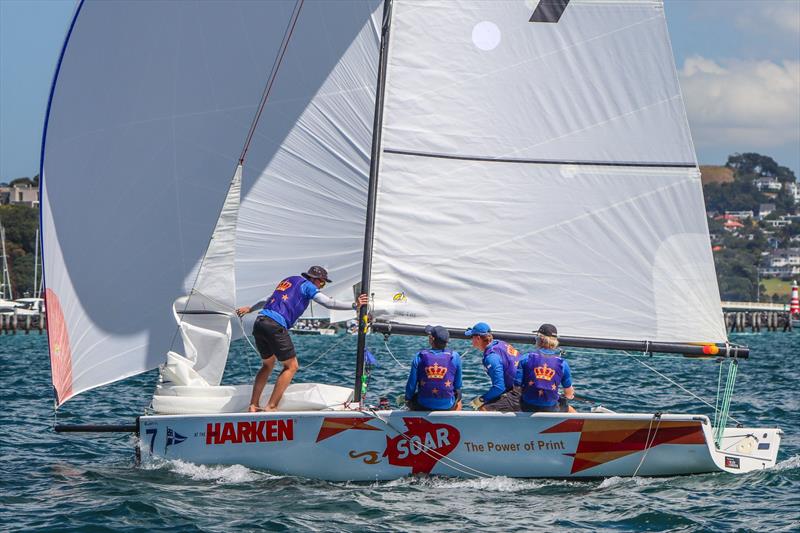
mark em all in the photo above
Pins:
pixel 746 449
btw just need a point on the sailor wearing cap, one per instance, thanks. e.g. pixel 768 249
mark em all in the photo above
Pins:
pixel 434 383
pixel 500 361
pixel 541 372
pixel 278 313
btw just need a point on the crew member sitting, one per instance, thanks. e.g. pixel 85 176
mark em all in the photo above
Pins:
pixel 434 383
pixel 541 372
pixel 500 361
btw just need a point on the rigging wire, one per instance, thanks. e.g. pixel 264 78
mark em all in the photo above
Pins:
pixel 272 75
pixel 647 442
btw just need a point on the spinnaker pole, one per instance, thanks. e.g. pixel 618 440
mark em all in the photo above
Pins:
pixel 369 228
pixel 644 346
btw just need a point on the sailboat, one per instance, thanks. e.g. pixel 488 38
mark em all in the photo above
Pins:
pixel 7 303
pixel 518 162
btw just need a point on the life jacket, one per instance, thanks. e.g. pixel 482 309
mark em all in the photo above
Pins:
pixel 436 375
pixel 288 300
pixel 541 376
pixel 510 358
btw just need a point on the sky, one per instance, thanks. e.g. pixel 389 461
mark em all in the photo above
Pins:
pixel 738 61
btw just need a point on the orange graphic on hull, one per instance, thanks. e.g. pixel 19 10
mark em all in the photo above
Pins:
pixel 602 441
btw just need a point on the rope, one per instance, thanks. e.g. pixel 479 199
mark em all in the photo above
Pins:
pixel 386 345
pixel 647 442
pixel 716 401
pixel 326 352
pixel 726 402
pixel 433 454
pixel 638 358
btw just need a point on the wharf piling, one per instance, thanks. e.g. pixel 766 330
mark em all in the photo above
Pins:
pixel 756 321
pixel 10 323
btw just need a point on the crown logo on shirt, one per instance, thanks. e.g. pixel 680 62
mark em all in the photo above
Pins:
pixel 283 285
pixel 544 372
pixel 435 371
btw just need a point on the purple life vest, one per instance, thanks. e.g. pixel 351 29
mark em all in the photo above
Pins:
pixel 541 376
pixel 436 375
pixel 288 300
pixel 510 358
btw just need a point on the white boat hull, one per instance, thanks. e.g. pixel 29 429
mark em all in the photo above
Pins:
pixel 357 446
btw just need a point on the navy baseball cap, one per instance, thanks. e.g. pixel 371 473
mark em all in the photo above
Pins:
pixel 438 333
pixel 481 328
pixel 548 330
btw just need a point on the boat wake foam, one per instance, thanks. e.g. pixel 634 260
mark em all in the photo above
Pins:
pixel 221 474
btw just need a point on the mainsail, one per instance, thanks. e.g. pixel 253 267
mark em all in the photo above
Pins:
pixel 540 171
pixel 150 106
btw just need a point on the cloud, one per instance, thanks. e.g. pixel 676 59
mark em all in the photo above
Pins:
pixel 750 103
pixel 783 15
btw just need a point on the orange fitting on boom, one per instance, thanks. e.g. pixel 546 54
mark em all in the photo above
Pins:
pixel 710 349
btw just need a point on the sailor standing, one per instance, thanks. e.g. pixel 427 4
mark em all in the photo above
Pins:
pixel 271 330
pixel 541 372
pixel 500 361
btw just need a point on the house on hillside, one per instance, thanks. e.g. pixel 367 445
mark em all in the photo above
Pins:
pixel 782 263
pixel 20 194
pixel 737 215
pixel 778 223
pixel 793 190
pixel 764 210
pixel 732 225
pixel 769 184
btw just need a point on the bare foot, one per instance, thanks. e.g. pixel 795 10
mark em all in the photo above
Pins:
pixel 253 408
pixel 270 409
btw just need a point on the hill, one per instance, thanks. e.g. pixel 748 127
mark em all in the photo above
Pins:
pixel 716 174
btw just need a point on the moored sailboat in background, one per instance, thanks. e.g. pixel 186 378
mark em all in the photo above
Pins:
pixel 457 158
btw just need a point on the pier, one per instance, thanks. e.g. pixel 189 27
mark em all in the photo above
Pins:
pixel 757 316
pixel 11 322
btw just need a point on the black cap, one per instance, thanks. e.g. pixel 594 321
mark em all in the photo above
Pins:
pixel 317 272
pixel 438 333
pixel 547 329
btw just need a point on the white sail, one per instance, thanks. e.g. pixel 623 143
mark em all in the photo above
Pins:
pixel 540 172
pixel 150 108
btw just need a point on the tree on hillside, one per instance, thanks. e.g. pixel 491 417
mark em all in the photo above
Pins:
pixel 751 164
pixel 23 181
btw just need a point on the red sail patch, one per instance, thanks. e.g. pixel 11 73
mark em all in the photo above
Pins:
pixel 422 445
pixel 60 352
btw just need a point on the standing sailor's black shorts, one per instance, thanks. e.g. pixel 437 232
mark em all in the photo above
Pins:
pixel 272 339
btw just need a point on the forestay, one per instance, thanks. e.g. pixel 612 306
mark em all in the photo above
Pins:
pixel 148 115
pixel 540 172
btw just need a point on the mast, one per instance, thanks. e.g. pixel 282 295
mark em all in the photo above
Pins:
pixel 36 267
pixel 7 291
pixel 369 229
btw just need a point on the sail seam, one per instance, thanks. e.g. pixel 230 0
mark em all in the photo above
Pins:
pixel 464 157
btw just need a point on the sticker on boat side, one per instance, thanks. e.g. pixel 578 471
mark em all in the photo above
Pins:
pixel 731 462
pixel 422 445
pixel 250 431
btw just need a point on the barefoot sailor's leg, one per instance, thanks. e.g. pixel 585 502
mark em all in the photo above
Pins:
pixel 290 367
pixel 260 382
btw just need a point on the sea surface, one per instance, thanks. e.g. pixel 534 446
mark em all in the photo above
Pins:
pixel 88 482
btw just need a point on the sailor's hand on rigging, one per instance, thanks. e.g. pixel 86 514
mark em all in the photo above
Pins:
pixel 242 311
pixel 362 299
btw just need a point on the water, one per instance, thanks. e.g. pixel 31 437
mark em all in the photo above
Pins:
pixel 89 482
